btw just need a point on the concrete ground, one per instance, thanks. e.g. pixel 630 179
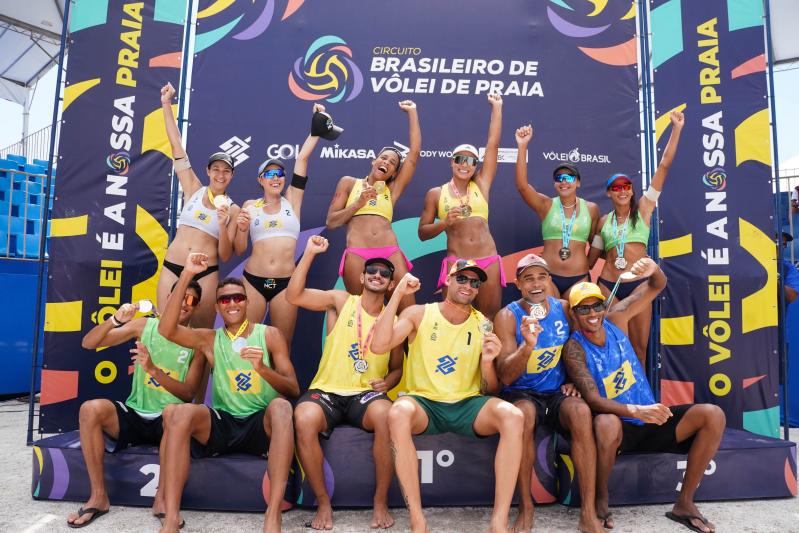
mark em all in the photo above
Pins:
pixel 20 513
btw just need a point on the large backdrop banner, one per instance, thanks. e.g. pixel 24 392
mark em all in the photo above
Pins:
pixel 108 233
pixel 569 68
pixel 719 325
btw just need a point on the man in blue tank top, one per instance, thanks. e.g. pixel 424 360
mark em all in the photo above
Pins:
pixel 533 331
pixel 600 360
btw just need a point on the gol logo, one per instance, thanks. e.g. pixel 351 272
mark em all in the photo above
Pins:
pixel 326 72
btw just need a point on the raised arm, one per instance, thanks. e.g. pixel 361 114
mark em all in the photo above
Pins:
pixel 296 291
pixel 109 334
pixel 390 333
pixel 188 179
pixel 646 204
pixel 540 203
pixel 429 227
pixel 281 374
pixel 199 338
pixel 489 169
pixel 338 214
pixel 621 312
pixel 512 360
pixel 296 189
pixel 415 148
pixel 185 390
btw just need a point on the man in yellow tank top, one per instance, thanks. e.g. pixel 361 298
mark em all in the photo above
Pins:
pixel 351 383
pixel 449 370
pixel 252 372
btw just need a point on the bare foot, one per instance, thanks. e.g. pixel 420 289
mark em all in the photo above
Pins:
pixel 381 518
pixel 604 514
pixel 169 526
pixel 101 503
pixel 524 522
pixel 690 513
pixel 323 519
pixel 418 524
pixel 272 522
pixel 498 525
pixel 592 524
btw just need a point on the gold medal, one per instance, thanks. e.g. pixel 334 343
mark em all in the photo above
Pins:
pixel 379 186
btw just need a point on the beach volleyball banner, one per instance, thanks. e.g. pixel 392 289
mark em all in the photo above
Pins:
pixel 112 193
pixel 719 310
pixel 567 67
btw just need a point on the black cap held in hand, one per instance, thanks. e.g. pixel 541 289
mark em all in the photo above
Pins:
pixel 322 126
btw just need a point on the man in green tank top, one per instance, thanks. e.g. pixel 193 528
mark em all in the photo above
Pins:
pixel 165 373
pixel 351 383
pixel 251 373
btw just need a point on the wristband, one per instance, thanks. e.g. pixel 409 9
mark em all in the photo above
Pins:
pixel 598 242
pixel 652 193
pixel 299 182
pixel 181 163
pixel 117 323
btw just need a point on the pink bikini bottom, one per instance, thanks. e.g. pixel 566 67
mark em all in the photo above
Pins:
pixel 483 262
pixel 368 253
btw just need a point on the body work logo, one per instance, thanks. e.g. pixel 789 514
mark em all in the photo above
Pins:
pixel 119 162
pixel 326 72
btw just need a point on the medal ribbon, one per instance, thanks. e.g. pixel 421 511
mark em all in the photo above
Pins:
pixel 369 334
pixel 457 194
pixel 620 235
pixel 566 232
pixel 241 330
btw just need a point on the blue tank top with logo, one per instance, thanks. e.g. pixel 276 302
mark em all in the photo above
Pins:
pixel 616 369
pixel 544 371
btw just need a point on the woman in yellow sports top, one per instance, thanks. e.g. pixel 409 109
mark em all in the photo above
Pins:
pixel 624 235
pixel 273 224
pixel 460 209
pixel 567 222
pixel 366 206
pixel 204 221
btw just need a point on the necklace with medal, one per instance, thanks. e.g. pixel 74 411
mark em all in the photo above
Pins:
pixel 360 364
pixel 537 310
pixel 256 208
pixel 379 186
pixel 566 231
pixel 620 263
pixel 466 209
pixel 238 342
pixel 218 201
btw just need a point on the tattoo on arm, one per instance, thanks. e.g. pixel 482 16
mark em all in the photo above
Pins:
pixel 574 359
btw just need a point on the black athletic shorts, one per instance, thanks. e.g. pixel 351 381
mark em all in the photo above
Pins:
pixel 547 406
pixel 231 434
pixel 134 429
pixel 339 409
pixel 651 438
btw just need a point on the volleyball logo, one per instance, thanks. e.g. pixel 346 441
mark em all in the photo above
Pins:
pixel 326 72
pixel 716 179
pixel 119 162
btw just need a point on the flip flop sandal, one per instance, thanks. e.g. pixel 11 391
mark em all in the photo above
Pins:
pixel 162 516
pixel 686 521
pixel 95 512
pixel 605 518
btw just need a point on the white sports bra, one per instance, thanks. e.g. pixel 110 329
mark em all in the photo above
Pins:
pixel 284 223
pixel 196 215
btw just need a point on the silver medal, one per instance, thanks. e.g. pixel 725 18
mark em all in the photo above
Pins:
pixel 627 276
pixel 145 306
pixel 538 311
pixel 620 263
pixel 221 201
pixel 466 211
pixel 361 366
pixel 486 326
pixel 564 253
pixel 239 344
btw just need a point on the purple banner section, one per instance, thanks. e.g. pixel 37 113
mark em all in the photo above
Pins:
pixel 719 310
pixel 570 70
pixel 114 172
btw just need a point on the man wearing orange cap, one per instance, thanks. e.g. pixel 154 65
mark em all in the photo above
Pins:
pixel 449 370
pixel 602 364
pixel 533 331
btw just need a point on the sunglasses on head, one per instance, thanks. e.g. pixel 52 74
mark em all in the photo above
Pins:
pixel 463 279
pixel 568 178
pixel 227 298
pixel 374 269
pixel 468 159
pixel 585 309
pixel 273 173
pixel 191 300
pixel 619 187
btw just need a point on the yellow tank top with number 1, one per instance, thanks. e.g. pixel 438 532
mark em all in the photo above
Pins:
pixel 444 358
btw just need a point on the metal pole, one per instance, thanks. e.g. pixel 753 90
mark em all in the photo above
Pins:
pixel 26 114
pixel 781 314
pixel 45 217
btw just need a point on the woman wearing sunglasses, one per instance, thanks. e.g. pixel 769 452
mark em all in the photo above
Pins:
pixel 567 222
pixel 366 207
pixel 624 234
pixel 203 223
pixel 273 224
pixel 460 209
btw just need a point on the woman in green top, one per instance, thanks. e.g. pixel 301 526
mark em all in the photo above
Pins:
pixel 567 222
pixel 625 234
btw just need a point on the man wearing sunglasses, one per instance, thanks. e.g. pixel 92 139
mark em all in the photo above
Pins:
pixel 164 373
pixel 533 331
pixel 352 381
pixel 449 371
pixel 252 372
pixel 601 361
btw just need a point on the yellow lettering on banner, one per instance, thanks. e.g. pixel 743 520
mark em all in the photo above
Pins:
pixel 110 278
pixel 720 384
pixel 133 10
pixel 105 372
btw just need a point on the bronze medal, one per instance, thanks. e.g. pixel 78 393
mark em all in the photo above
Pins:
pixel 564 253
